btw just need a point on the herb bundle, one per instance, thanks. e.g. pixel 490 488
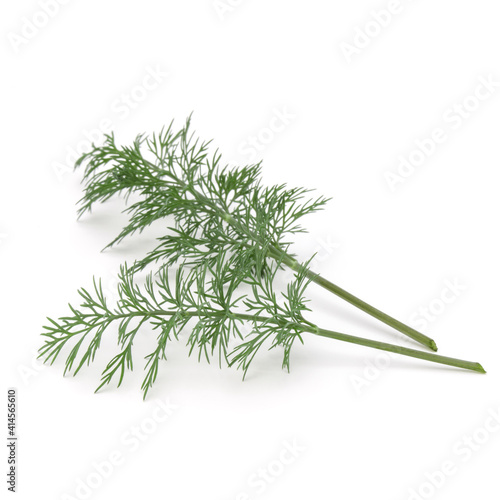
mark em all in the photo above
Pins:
pixel 229 240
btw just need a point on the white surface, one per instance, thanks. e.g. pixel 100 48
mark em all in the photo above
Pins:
pixel 395 249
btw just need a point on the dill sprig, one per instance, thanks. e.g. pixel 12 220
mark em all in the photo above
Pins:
pixel 229 241
pixel 209 299
pixel 207 296
pixel 215 208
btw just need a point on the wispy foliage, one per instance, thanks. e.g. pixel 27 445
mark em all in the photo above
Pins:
pixel 215 208
pixel 229 239
pixel 207 297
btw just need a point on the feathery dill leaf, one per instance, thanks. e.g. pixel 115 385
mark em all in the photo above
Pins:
pixel 229 240
pixel 215 208
pixel 207 297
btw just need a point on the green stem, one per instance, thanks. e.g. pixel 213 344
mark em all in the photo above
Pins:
pixel 360 304
pixel 405 351
pixel 281 256
pixel 308 327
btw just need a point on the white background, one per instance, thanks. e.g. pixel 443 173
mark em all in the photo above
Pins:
pixel 362 431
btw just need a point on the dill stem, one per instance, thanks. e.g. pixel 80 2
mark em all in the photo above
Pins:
pixel 360 304
pixel 308 327
pixel 282 257
pixel 405 351
pixel 382 346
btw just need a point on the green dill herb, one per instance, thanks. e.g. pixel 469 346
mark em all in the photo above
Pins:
pixel 229 239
